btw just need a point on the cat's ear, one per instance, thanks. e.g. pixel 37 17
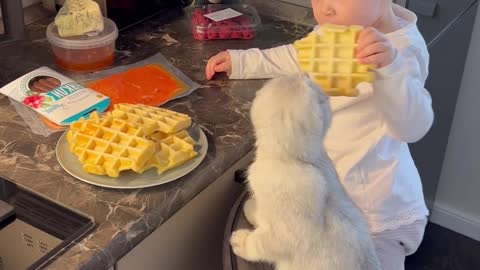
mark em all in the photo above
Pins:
pixel 321 96
pixel 319 92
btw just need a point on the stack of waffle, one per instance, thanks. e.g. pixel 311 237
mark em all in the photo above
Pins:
pixel 131 137
pixel 329 58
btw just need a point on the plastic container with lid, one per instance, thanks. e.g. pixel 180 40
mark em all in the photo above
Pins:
pixel 230 21
pixel 87 52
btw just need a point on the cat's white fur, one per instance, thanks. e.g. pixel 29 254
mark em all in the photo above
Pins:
pixel 303 218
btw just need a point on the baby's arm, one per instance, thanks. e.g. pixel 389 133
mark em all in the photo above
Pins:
pixel 260 64
pixel 255 63
pixel 400 95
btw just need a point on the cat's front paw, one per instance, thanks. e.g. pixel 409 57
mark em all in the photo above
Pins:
pixel 238 241
pixel 249 209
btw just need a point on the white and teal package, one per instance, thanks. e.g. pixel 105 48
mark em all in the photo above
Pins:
pixel 58 98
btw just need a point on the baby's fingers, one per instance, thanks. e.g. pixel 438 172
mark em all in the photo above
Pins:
pixel 367 37
pixel 371 49
pixel 210 69
pixel 221 67
pixel 213 62
pixel 375 59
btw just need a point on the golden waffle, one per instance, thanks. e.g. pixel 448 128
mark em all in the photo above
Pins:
pixel 131 137
pixel 329 58
pixel 152 118
pixel 172 150
pixel 107 145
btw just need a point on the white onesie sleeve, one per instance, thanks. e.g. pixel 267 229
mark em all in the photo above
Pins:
pixel 399 93
pixel 262 64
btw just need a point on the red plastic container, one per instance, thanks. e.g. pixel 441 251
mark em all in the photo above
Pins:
pixel 243 26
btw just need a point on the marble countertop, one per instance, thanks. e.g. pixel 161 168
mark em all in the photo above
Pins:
pixel 126 217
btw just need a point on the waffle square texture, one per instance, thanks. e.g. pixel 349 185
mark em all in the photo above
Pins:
pixel 105 145
pixel 329 58
pixel 152 118
pixel 132 137
pixel 172 150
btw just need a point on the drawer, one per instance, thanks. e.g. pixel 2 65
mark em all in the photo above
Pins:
pixel 193 237
pixel 447 11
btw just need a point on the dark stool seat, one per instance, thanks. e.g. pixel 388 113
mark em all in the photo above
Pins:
pixel 237 220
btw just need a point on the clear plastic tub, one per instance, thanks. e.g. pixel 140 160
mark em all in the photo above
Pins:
pixel 86 52
pixel 243 26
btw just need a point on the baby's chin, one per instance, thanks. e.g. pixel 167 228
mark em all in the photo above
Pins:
pixel 348 21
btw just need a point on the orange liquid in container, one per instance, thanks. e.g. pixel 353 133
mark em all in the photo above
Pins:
pixel 149 85
pixel 89 52
pixel 84 60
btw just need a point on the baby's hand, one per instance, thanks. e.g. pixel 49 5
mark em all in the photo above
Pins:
pixel 374 48
pixel 220 62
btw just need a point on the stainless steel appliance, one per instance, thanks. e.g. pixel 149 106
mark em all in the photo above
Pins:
pixel 33 229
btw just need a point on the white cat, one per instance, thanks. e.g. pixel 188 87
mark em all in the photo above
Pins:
pixel 303 218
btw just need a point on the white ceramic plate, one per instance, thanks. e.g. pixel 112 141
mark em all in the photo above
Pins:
pixel 129 179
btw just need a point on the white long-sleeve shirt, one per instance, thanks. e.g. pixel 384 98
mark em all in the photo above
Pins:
pixel 368 138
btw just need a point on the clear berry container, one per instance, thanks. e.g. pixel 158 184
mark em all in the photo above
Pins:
pixel 242 26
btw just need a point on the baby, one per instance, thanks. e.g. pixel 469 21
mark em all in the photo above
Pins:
pixel 369 135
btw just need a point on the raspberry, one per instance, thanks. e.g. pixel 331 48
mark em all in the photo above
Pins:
pixel 236 34
pixel 196 15
pixel 225 33
pixel 243 20
pixel 212 31
pixel 223 29
pixel 200 35
pixel 229 23
pixel 217 24
pixel 212 34
pixel 234 25
pixel 198 12
pixel 203 19
pixel 200 31
pixel 196 19
pixel 247 33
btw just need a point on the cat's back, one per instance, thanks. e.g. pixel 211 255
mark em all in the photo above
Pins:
pixel 282 179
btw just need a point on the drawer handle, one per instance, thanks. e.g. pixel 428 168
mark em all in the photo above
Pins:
pixel 423 7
